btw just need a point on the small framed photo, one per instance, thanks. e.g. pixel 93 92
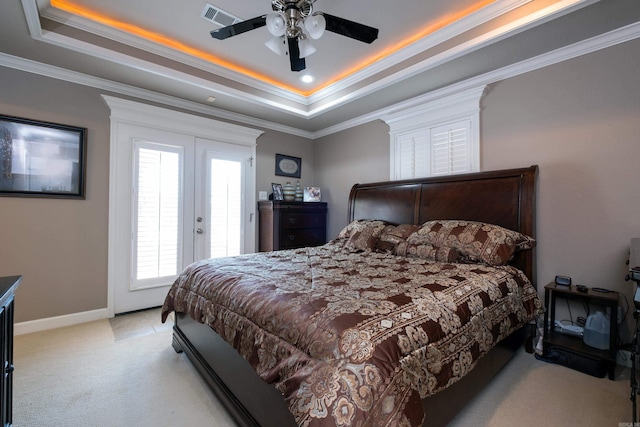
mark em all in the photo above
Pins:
pixel 311 194
pixel 278 194
pixel 288 166
pixel 42 159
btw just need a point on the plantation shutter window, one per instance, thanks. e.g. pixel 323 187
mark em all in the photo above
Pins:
pixel 157 219
pixel 451 149
pixel 227 200
pixel 413 155
pixel 436 135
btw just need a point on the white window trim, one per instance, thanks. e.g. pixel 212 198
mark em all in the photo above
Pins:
pixel 460 106
pixel 135 113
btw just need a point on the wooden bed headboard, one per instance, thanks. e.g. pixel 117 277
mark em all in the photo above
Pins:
pixel 504 197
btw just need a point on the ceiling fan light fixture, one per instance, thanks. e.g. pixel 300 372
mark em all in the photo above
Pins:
pixel 306 48
pixel 315 26
pixel 276 45
pixel 276 24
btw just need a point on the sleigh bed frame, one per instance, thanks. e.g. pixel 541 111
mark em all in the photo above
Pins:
pixel 505 198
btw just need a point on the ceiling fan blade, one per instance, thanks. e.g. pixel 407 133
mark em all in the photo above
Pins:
pixel 239 28
pixel 351 29
pixel 297 63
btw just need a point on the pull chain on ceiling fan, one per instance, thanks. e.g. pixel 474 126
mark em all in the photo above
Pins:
pixel 286 23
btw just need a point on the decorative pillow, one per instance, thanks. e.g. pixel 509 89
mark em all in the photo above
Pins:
pixel 524 242
pixel 392 235
pixel 474 241
pixel 428 252
pixel 362 234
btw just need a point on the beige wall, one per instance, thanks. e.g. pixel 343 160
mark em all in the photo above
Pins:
pixel 271 143
pixel 60 246
pixel 356 155
pixel 580 122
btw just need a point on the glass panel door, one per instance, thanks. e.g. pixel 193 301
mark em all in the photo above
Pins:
pixel 224 218
pixel 158 214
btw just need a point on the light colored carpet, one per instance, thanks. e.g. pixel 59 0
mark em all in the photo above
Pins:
pixel 124 371
pixel 96 375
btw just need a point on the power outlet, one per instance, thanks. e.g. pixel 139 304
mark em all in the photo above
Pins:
pixel 262 195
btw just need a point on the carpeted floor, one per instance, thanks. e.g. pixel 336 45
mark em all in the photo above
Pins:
pixel 123 371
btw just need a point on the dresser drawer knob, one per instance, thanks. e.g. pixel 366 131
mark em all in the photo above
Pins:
pixel 292 237
pixel 292 220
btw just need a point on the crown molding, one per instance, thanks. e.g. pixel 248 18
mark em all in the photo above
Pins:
pixel 58 73
pixel 612 38
pixel 126 111
pixel 479 17
pixel 305 106
pixel 440 36
pixel 593 44
pixel 122 37
pixel 472 45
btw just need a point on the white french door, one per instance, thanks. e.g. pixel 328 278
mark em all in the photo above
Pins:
pixel 190 199
pixel 224 216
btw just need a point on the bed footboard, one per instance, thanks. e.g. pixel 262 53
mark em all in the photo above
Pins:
pixel 252 402
pixel 248 399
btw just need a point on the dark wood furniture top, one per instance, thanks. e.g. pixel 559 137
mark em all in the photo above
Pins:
pixel 8 286
pixel 575 344
pixel 291 225
pixel 505 198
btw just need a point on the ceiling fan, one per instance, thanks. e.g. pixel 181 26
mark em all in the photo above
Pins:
pixel 286 24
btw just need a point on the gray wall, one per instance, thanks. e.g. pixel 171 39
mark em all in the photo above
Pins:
pixel 356 155
pixel 271 143
pixel 580 122
pixel 60 246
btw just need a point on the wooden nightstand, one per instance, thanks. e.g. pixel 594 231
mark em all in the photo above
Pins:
pixel 290 225
pixel 553 338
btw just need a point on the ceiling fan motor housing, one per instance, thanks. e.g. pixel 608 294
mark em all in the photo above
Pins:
pixel 287 19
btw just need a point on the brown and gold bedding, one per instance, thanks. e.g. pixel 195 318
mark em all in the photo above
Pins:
pixel 355 337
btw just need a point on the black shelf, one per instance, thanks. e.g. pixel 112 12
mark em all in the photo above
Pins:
pixel 575 344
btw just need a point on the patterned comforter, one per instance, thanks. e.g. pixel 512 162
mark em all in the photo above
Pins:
pixel 355 339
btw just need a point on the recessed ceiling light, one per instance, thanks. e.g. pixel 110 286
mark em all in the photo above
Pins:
pixel 211 99
pixel 306 78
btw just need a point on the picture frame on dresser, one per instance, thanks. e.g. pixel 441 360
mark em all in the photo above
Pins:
pixel 42 159
pixel 311 194
pixel 278 193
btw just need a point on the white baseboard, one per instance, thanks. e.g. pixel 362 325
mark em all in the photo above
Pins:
pixel 60 321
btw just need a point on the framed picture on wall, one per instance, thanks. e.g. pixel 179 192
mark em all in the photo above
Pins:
pixel 42 159
pixel 288 166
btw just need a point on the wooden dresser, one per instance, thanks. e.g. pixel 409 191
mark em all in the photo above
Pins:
pixel 290 225
pixel 8 287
